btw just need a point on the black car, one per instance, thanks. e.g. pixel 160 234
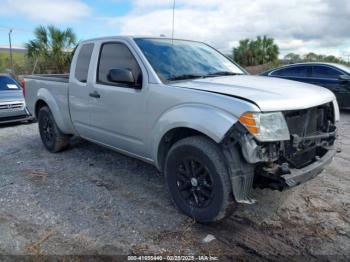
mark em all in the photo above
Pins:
pixel 335 77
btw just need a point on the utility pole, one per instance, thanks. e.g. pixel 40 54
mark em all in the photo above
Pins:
pixel 172 29
pixel 11 58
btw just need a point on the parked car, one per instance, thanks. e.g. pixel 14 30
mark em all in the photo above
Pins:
pixel 334 77
pixel 12 103
pixel 182 106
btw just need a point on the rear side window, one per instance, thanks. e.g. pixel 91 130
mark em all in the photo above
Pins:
pixel 7 83
pixel 296 71
pixel 325 72
pixel 117 56
pixel 83 62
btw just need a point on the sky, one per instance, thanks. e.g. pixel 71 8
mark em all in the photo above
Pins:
pixel 300 26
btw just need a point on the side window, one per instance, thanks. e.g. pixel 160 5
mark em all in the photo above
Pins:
pixel 296 71
pixel 325 72
pixel 83 62
pixel 117 56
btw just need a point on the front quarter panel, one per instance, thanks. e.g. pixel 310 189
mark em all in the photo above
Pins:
pixel 208 113
pixel 210 121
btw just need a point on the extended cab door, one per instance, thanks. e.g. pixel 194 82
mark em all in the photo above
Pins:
pixel 80 89
pixel 118 112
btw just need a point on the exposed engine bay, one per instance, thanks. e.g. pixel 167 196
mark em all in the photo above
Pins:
pixel 312 135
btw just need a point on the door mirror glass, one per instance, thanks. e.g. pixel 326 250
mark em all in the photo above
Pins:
pixel 344 78
pixel 123 76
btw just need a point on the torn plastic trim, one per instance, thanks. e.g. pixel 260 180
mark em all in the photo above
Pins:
pixel 252 151
pixel 241 172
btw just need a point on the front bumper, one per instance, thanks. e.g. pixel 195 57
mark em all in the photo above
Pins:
pixel 7 120
pixel 274 178
pixel 299 176
pixel 15 115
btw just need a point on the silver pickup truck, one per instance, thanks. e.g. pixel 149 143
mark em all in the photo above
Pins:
pixel 214 131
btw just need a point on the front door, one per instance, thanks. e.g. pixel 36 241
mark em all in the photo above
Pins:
pixel 329 78
pixel 118 111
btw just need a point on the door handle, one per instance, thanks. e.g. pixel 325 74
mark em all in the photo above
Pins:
pixel 95 94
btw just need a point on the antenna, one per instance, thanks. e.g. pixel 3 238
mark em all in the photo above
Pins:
pixel 172 32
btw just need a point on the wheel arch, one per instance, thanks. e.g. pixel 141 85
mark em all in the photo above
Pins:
pixel 39 104
pixel 186 121
pixel 45 98
pixel 170 138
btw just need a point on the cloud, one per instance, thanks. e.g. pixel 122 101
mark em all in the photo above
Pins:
pixel 47 11
pixel 297 25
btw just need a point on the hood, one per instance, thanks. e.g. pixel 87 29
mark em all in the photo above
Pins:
pixel 269 94
pixel 11 96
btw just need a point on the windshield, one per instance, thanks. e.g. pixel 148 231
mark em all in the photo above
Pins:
pixel 6 83
pixel 344 68
pixel 179 59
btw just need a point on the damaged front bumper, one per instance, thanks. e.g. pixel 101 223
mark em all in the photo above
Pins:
pixel 299 176
pixel 270 165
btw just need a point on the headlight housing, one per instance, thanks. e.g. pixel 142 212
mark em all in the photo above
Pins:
pixel 266 127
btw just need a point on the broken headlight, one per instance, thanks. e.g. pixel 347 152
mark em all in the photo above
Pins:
pixel 266 127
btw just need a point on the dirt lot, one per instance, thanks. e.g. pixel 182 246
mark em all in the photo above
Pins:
pixel 90 200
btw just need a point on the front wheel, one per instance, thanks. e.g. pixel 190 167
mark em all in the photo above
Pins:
pixel 198 179
pixel 53 139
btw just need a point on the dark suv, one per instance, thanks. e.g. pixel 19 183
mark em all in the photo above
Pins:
pixel 335 77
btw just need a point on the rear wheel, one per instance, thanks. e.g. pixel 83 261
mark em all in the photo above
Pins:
pixel 53 139
pixel 198 179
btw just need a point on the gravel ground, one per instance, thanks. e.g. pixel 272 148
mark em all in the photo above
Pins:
pixel 90 200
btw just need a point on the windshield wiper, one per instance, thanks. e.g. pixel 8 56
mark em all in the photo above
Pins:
pixel 222 73
pixel 184 77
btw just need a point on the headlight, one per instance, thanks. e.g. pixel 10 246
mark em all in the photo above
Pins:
pixel 266 126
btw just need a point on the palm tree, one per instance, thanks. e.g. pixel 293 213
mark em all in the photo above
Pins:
pixel 240 54
pixel 270 50
pixel 256 52
pixel 51 47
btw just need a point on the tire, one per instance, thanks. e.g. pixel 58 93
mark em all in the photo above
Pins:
pixel 198 180
pixel 53 139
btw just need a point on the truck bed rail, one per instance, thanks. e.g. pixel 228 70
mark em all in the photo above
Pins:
pixel 50 77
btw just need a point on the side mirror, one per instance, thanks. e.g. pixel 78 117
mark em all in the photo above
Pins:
pixel 344 78
pixel 123 76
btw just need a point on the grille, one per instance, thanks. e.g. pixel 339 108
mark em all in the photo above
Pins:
pixel 11 106
pixel 306 123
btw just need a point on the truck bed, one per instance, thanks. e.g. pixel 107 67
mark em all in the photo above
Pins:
pixel 50 77
pixel 53 88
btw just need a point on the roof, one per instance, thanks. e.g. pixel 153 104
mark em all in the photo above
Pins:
pixel 312 63
pixel 338 66
pixel 131 37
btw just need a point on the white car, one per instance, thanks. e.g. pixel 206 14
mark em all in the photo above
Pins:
pixel 12 103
